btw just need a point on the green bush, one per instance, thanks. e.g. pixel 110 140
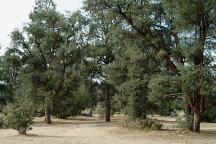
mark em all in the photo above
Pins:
pixel 142 124
pixel 209 114
pixel 18 117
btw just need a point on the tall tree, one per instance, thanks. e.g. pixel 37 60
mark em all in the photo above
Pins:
pixel 195 22
pixel 102 44
pixel 52 45
pixel 179 37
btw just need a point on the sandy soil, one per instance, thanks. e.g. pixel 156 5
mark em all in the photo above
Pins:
pixel 85 130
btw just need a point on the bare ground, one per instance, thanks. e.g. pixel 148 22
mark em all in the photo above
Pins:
pixel 86 130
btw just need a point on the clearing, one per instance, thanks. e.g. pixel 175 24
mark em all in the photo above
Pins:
pixel 92 130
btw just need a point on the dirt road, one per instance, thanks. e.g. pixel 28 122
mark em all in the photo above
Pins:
pixel 94 131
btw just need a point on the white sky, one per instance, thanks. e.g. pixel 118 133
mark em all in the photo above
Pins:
pixel 14 13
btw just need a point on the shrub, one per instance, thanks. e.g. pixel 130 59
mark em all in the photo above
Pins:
pixel 209 114
pixel 142 124
pixel 18 117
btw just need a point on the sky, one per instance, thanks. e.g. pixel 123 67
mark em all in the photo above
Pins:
pixel 14 13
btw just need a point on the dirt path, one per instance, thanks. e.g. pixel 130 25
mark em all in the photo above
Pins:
pixel 95 131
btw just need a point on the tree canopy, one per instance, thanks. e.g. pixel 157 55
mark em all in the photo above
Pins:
pixel 137 57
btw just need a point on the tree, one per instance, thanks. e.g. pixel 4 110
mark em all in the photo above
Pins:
pixel 179 37
pixel 90 72
pixel 19 115
pixel 140 54
pixel 10 65
pixel 51 44
pixel 102 45
pixel 134 69
pixel 195 21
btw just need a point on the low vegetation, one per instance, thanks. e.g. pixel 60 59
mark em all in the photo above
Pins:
pixel 145 124
pixel 18 117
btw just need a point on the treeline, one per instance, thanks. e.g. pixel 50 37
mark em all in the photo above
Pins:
pixel 137 57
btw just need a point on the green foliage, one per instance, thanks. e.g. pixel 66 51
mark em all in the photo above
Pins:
pixel 19 114
pixel 51 47
pixel 72 104
pixel 175 34
pixel 139 56
pixel 209 114
pixel 130 74
pixel 10 65
pixel 165 92
pixel 194 77
pixel 168 107
pixel 18 117
pixel 162 86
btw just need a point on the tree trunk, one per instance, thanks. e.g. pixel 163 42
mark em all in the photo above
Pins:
pixel 196 124
pixel 47 111
pixel 107 105
pixel 197 114
pixel 199 103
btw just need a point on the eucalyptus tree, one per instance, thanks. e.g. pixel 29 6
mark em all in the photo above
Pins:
pixel 195 23
pixel 102 46
pixel 180 35
pixel 131 72
pixel 51 44
pixel 133 52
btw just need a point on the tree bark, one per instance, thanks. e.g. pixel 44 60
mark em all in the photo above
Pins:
pixel 47 111
pixel 197 118
pixel 107 105
pixel 198 108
